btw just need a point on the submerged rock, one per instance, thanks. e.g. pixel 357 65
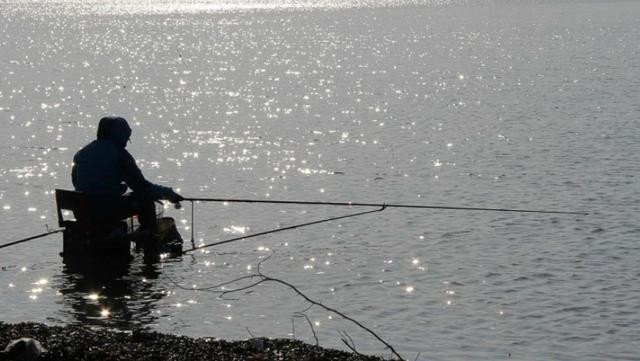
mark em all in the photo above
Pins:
pixel 73 343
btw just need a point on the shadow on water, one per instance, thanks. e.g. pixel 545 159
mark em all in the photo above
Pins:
pixel 119 294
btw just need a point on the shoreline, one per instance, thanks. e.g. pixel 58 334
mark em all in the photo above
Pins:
pixel 75 342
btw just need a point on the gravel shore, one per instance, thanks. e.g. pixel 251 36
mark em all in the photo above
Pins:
pixel 73 342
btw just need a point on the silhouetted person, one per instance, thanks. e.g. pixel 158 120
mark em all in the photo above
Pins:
pixel 104 170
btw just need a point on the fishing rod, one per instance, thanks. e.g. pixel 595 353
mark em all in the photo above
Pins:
pixel 31 238
pixel 194 248
pixel 388 205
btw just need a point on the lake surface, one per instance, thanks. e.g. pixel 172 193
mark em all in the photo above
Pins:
pixel 489 104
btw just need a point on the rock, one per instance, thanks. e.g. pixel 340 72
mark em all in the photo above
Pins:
pixel 23 349
pixel 257 343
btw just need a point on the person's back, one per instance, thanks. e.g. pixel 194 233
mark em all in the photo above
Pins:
pixel 97 168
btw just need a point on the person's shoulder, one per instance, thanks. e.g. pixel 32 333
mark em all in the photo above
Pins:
pixel 124 153
pixel 97 147
pixel 84 150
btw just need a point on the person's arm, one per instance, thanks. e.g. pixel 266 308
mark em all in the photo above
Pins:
pixel 139 184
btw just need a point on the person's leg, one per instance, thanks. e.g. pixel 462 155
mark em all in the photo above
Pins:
pixel 147 213
pixel 143 207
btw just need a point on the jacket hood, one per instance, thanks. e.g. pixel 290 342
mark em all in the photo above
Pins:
pixel 116 129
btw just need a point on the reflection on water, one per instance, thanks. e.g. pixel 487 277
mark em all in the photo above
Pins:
pixel 214 6
pixel 115 294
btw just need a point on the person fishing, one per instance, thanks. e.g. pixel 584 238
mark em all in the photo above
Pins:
pixel 104 170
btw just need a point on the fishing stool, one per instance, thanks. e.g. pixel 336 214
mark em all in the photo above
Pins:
pixel 82 237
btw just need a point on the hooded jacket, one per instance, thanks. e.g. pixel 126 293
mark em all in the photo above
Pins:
pixel 105 167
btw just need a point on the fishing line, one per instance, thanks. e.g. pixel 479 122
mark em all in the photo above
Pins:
pixel 388 205
pixel 382 208
pixel 193 241
pixel 31 238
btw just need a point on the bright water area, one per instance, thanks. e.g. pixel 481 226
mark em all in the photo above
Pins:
pixel 532 105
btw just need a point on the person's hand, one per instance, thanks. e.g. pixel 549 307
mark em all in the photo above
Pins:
pixel 174 197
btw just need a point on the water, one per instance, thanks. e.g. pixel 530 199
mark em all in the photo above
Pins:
pixel 530 105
